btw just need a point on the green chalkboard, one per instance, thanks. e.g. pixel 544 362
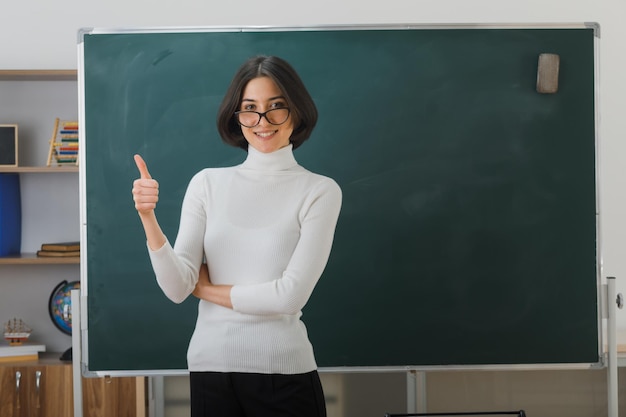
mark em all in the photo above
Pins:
pixel 468 233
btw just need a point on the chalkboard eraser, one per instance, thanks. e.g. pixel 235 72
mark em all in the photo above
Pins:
pixel 548 73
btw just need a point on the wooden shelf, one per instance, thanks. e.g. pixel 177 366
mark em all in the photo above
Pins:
pixel 38 75
pixel 33 259
pixel 44 170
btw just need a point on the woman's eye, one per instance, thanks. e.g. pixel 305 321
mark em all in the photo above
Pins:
pixel 277 105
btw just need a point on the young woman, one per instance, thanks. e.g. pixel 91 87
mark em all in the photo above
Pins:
pixel 265 228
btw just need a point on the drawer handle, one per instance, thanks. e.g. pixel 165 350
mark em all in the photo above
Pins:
pixel 18 379
pixel 37 388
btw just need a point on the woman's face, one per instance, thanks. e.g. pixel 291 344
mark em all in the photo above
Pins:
pixel 261 95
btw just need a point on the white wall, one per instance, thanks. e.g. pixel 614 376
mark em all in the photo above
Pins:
pixel 43 34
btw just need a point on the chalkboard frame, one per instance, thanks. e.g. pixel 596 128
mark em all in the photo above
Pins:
pixel 84 272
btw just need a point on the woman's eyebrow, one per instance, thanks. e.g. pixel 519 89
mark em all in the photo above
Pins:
pixel 269 99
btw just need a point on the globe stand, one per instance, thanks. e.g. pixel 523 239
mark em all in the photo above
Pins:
pixel 67 355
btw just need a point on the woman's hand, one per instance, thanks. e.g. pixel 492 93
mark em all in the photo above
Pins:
pixel 146 195
pixel 216 294
pixel 145 189
pixel 203 281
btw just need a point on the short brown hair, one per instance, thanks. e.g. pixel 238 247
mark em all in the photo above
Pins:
pixel 303 108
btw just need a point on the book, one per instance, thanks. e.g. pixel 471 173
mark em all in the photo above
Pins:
pixel 23 352
pixel 61 246
pixel 51 253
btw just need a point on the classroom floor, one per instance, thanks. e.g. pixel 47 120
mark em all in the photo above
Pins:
pixel 544 393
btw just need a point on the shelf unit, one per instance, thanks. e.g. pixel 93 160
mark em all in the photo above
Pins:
pixel 38 75
pixel 40 170
pixel 115 396
pixel 32 258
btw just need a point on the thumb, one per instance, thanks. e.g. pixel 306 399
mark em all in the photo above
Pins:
pixel 142 167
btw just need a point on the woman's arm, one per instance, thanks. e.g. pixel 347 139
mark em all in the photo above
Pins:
pixel 176 271
pixel 289 293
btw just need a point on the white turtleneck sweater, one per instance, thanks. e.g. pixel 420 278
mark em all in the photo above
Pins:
pixel 266 227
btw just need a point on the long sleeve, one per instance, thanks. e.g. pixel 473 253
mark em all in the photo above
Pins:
pixel 289 293
pixel 176 269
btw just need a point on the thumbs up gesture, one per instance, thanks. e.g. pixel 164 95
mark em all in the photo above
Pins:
pixel 145 189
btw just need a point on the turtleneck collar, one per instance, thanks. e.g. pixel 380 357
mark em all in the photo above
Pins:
pixel 279 160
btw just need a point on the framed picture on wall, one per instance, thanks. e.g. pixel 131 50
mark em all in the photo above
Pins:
pixel 8 145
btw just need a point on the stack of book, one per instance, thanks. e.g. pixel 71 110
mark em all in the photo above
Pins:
pixel 60 249
pixel 20 353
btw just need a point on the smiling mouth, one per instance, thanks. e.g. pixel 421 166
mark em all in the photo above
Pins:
pixel 264 135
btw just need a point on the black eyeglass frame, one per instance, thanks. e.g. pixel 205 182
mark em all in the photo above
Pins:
pixel 261 115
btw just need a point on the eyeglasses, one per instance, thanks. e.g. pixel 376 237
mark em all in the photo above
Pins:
pixel 248 118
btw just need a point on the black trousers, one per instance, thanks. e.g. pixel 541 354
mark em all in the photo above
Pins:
pixel 218 394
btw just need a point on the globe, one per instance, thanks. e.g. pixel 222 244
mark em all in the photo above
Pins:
pixel 60 305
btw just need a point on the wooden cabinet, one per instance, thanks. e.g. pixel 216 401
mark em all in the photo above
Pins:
pixel 120 397
pixel 44 389
pixel 37 390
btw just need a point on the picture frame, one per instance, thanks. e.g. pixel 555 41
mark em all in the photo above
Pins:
pixel 8 145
